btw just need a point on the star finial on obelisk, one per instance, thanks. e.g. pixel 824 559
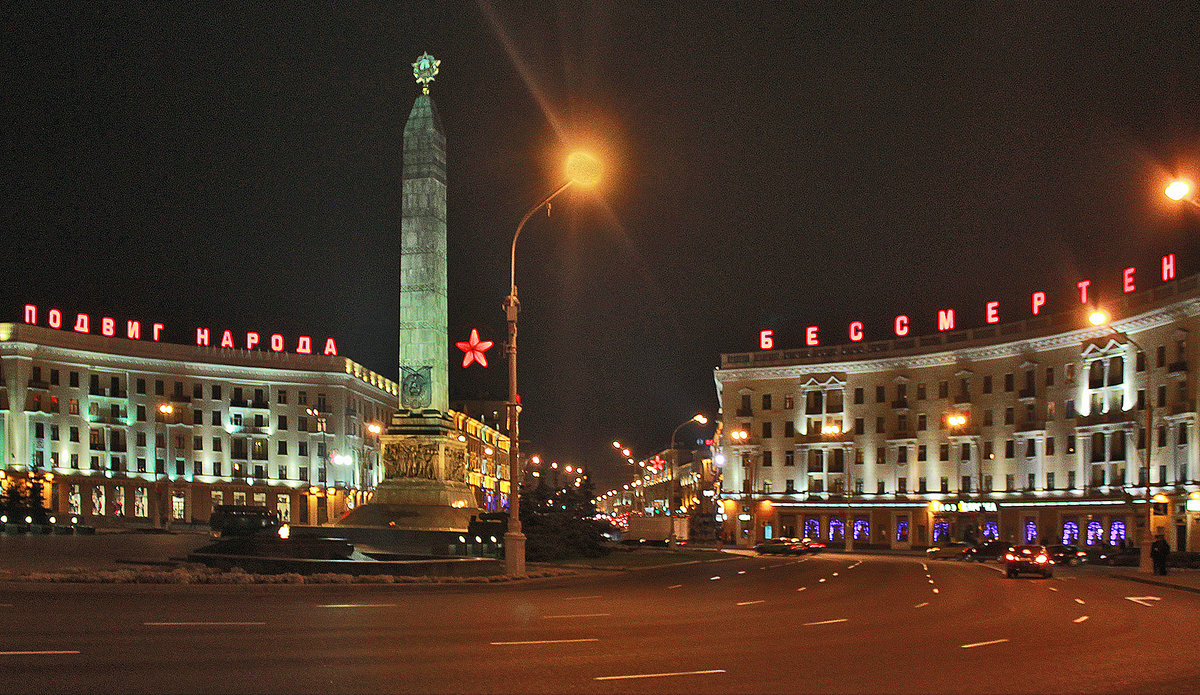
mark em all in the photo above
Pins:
pixel 424 70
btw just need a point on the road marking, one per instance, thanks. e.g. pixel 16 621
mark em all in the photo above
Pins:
pixel 48 652
pixel 982 644
pixel 924 566
pixel 577 615
pixel 1080 619
pixel 713 579
pixel 921 605
pixel 579 598
pixel 659 675
pixel 763 567
pixel 936 591
pixel 6 605
pixel 546 641
pixel 829 622
pixel 357 605
pixel 930 581
pixel 821 579
pixel 741 571
pixel 1079 601
pixel 835 574
pixel 1052 588
pixel 1143 599
pixel 203 623
pixel 750 603
pixel 802 588
pixel 675 586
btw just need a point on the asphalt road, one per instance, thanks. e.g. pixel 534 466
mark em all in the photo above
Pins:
pixel 833 623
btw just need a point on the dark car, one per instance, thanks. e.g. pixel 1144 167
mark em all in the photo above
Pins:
pixel 1034 559
pixel 953 550
pixel 811 546
pixel 242 520
pixel 1067 555
pixel 991 550
pixel 780 546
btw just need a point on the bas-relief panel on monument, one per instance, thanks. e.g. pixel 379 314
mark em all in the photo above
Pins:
pixel 416 391
pixel 410 459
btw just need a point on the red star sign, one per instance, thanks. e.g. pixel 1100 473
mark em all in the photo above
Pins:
pixel 474 349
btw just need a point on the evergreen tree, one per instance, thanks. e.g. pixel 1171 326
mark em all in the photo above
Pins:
pixel 560 524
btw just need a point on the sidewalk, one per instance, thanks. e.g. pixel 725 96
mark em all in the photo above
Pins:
pixel 1182 579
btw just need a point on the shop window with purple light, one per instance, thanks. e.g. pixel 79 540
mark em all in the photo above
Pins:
pixel 941 531
pixel 862 529
pixel 812 527
pixel 1030 530
pixel 902 529
pixel 991 530
pixel 837 529
pixel 1116 531
pixel 1095 533
pixel 1070 532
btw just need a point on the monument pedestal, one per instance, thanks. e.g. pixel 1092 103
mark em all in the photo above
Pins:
pixel 424 470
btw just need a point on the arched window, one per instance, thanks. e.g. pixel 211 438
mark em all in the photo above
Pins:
pixel 1116 531
pixel 1095 533
pixel 991 530
pixel 862 529
pixel 902 529
pixel 1031 531
pixel 837 529
pixel 812 527
pixel 941 531
pixel 1070 532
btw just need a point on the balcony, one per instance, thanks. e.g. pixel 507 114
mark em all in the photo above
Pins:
pixel 1181 408
pixel 962 399
pixel 180 398
pixel 900 435
pixel 1024 394
pixel 843 437
pixel 100 392
pixel 1179 367
pixel 247 403
pixel 41 385
pixel 745 412
pixel 900 404
pixel 1031 426
pixel 1109 418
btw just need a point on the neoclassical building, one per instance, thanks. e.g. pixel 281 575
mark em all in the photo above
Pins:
pixel 122 432
pixel 1026 431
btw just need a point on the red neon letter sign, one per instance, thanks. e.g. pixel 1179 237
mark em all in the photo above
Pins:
pixel 945 319
pixel 856 331
pixel 108 327
pixel 765 341
pixel 276 342
pixel 993 312
pixel 330 347
pixel 202 336
pixel 227 339
pixel 1128 277
pixel 31 314
pixel 1083 285
pixel 901 325
pixel 54 318
pixel 304 345
pixel 156 330
pixel 810 336
pixel 1039 300
pixel 1168 267
pixel 83 323
pixel 251 340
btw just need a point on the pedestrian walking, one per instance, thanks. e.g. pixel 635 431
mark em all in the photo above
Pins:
pixel 1158 554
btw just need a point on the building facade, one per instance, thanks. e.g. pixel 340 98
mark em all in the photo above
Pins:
pixel 129 432
pixel 1029 431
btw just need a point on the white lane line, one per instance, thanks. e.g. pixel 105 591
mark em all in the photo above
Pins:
pixel 829 622
pixel 924 566
pixel 675 586
pixel 579 598
pixel 936 591
pixel 930 581
pixel 201 623
pixel 741 571
pixel 921 605
pixel 1080 619
pixel 982 644
pixel 545 641
pixel 750 603
pixel 802 588
pixel 821 579
pixel 996 569
pixel 577 615
pixel 1051 588
pixel 1143 599
pixel 763 567
pixel 6 605
pixel 659 675
pixel 835 574
pixel 1079 601
pixel 713 579
pixel 48 652
pixel 357 605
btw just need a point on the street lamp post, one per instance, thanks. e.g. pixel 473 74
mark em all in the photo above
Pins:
pixel 1182 190
pixel 163 491
pixel 582 169
pixel 1145 564
pixel 671 478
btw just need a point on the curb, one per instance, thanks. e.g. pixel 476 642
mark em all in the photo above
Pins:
pixel 1156 582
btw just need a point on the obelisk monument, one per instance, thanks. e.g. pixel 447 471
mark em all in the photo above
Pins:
pixel 424 462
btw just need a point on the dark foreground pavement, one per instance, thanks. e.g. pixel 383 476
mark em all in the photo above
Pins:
pixel 835 623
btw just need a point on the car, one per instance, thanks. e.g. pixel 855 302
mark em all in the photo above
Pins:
pixel 1028 558
pixel 811 546
pixel 242 520
pixel 952 550
pixel 1067 555
pixel 991 550
pixel 780 546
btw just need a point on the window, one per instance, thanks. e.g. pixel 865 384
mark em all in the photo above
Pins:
pixel 987 383
pixel 282 397
pixel 1010 482
pixel 789 402
pixel 198 443
pixel 858 457
pixel 880 424
pixel 1070 480
pixel 988 450
pixel 964 453
pixel 159 387
pixel 1008 416
pixel 880 487
pixel 1049 376
pixel 766 401
pixel 1031 481
pixel 74 380
pixel 141 387
pixel 858 396
pixel 216 417
pixel 901 454
pixel 945 484
pixel 987 483
pixel 216 392
pixel 197 391
pixel 1140 364
pixel 902 485
pixel 1050 480
pixel 1050 446
pixel 922 422
pixel 921 452
pixel 283 425
pixel 141 413
pixel 303 399
pixel 74 433
pixel 791 486
pixel 789 458
pixel 197 417
pixel 789 429
pixel 303 449
pixel 943 389
pixel 944 452
pixel 965 484
pixel 766 457
pixel 920 392
pixel 880 394
pixel 859 426
pixel 880 455
pixel 1162 397
pixel 987 417
pixel 1008 383
pixel 922 487
pixel 197 468
pixel 1009 449
pixel 1030 448
pixel 766 430
pixel 216 443
pixel 1162 355
pixel 141 439
pixel 282 447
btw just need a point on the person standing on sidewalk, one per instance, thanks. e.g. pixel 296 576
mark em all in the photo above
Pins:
pixel 1158 554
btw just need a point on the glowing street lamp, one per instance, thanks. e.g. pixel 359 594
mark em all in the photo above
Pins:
pixel 700 418
pixel 582 169
pixel 1145 564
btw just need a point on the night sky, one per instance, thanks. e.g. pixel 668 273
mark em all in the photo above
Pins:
pixel 238 166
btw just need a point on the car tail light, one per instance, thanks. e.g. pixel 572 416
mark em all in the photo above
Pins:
pixel 1009 556
pixel 1041 559
pixel 1080 553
